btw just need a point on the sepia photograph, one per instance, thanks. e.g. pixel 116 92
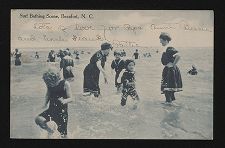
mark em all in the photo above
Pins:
pixel 111 74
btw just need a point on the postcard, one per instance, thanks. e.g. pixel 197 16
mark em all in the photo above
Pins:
pixel 111 74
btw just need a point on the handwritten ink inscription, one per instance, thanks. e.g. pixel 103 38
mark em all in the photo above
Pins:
pixel 79 32
pixel 27 38
pixel 42 26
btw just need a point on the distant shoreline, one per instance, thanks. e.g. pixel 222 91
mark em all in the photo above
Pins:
pixel 95 48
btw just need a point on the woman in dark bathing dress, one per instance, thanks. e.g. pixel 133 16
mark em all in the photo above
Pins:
pixel 92 71
pixel 58 96
pixel 17 57
pixel 171 77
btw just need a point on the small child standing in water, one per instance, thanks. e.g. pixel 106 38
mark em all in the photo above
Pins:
pixel 58 96
pixel 128 81
pixel 118 65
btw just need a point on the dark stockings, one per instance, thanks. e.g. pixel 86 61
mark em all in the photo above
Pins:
pixel 169 96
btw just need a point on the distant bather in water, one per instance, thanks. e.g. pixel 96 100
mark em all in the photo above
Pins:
pixel 193 71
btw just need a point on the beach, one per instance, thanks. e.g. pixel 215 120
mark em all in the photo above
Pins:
pixel 104 118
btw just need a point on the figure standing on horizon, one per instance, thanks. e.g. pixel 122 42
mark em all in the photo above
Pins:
pixel 136 55
pixel 17 57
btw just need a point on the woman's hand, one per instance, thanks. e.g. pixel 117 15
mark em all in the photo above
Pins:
pixel 169 65
pixel 62 100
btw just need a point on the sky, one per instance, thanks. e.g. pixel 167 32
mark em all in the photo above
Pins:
pixel 188 28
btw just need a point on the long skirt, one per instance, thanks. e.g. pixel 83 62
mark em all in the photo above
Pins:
pixel 91 79
pixel 17 62
pixel 171 79
pixel 67 72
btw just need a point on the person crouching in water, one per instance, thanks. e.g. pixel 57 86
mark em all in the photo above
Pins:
pixel 58 96
pixel 36 55
pixel 93 69
pixel 118 65
pixel 171 77
pixel 128 81
pixel 67 64
pixel 193 71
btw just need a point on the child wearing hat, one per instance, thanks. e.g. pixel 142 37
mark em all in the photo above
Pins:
pixel 118 65
pixel 93 69
pixel 58 96
pixel 128 81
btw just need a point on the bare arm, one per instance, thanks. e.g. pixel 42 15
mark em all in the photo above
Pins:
pixel 100 68
pixel 121 78
pixel 46 99
pixel 177 58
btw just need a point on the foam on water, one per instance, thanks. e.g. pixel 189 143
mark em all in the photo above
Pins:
pixel 89 117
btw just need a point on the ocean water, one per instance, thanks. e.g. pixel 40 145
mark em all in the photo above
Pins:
pixel 101 118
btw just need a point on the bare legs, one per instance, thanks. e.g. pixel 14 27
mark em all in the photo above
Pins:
pixel 42 122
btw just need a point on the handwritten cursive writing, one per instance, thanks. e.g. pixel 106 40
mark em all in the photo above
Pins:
pixel 44 26
pixel 57 38
pixel 29 38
